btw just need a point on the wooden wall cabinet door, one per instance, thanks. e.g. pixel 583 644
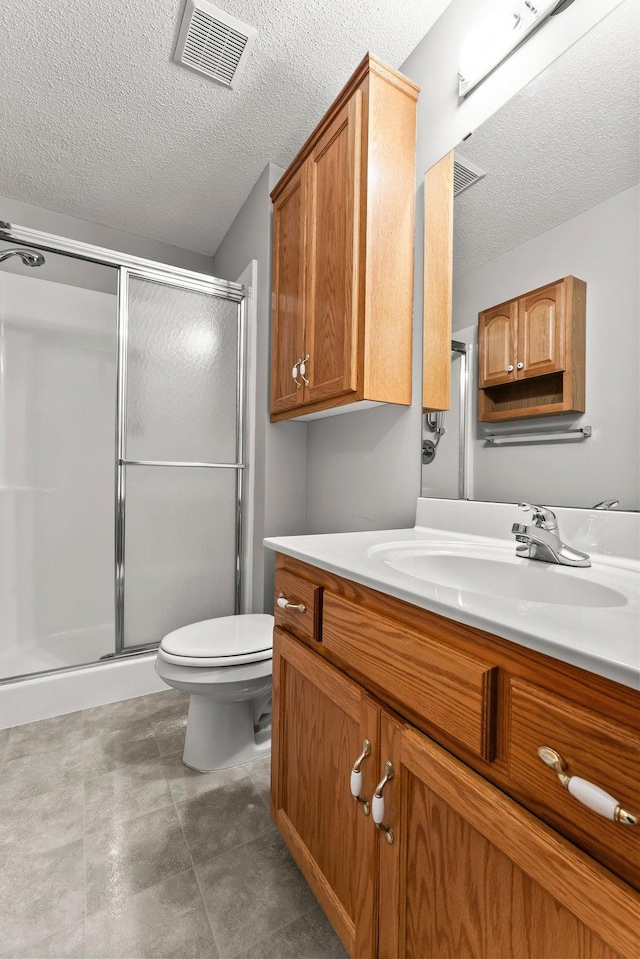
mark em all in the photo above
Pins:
pixel 288 307
pixel 320 721
pixel 497 333
pixel 333 249
pixel 471 873
pixel 541 325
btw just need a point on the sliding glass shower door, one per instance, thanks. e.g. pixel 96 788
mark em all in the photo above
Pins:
pixel 180 469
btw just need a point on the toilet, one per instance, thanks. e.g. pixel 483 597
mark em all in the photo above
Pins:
pixel 224 665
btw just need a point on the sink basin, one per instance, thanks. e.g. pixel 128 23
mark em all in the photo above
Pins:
pixel 496 571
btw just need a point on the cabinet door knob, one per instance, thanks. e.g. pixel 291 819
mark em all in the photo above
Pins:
pixel 377 804
pixel 284 603
pixel 303 369
pixel 355 783
pixel 590 795
pixel 510 368
pixel 520 366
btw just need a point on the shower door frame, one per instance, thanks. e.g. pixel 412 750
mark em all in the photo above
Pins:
pixel 139 267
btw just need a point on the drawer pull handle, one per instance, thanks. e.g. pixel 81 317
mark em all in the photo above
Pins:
pixel 377 804
pixel 356 777
pixel 590 795
pixel 284 603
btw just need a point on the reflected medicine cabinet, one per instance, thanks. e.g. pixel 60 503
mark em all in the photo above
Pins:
pixel 343 254
pixel 531 353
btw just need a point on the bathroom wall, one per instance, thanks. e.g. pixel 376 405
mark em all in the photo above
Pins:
pixel 280 448
pixel 36 218
pixel 363 469
pixel 602 247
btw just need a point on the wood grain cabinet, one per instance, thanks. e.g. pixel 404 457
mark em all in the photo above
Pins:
pixel 531 353
pixel 464 861
pixel 343 253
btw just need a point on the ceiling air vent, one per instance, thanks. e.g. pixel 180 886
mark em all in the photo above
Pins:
pixel 465 174
pixel 213 43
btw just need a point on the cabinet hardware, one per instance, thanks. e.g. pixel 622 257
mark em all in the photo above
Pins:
pixel 356 777
pixel 294 373
pixel 303 369
pixel 510 368
pixel 377 804
pixel 590 795
pixel 520 366
pixel 284 603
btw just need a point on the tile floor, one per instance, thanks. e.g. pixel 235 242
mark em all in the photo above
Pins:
pixel 111 847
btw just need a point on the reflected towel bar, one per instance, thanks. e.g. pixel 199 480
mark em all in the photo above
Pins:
pixel 537 436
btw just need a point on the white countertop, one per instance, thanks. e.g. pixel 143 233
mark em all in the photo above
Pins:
pixel 601 639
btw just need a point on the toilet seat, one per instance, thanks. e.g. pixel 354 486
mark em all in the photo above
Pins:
pixel 227 641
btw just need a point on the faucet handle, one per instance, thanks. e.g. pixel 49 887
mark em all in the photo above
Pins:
pixel 542 516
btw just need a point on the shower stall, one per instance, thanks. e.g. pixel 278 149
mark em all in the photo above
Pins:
pixel 122 387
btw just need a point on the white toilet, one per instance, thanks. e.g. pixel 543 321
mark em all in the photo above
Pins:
pixel 225 666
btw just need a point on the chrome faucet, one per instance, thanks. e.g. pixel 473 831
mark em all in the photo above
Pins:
pixel 541 540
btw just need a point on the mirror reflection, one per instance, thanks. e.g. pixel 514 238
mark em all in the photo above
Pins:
pixel 545 370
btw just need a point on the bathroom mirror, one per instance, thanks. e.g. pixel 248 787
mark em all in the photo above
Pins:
pixel 553 192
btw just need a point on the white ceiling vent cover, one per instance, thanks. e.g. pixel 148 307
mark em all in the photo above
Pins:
pixel 213 43
pixel 465 174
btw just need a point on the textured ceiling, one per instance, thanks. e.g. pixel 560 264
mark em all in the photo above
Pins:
pixel 98 122
pixel 568 141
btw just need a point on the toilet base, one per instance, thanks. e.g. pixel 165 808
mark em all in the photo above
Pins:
pixel 220 734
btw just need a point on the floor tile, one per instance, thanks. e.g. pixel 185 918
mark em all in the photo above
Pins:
pixel 170 733
pixel 252 891
pixel 4 742
pixel 167 704
pixel 68 944
pixel 40 895
pixel 107 719
pixel 186 783
pixel 102 754
pixel 47 734
pixel 128 857
pixel 32 775
pixel 163 922
pixel 224 818
pixel 309 937
pixel 125 793
pixel 42 822
pixel 259 773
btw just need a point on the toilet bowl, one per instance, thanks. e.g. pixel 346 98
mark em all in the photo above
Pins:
pixel 225 666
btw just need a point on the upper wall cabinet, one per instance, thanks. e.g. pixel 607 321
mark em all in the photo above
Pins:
pixel 531 353
pixel 343 254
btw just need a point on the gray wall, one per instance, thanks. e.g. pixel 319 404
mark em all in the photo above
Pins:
pixel 36 218
pixel 602 247
pixel 363 469
pixel 280 448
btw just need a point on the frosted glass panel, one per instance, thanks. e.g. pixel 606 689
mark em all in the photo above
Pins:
pixel 180 549
pixel 182 375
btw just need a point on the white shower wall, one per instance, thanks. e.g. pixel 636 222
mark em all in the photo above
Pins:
pixel 57 425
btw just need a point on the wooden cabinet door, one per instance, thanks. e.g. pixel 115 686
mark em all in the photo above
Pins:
pixel 289 264
pixel 497 344
pixel 541 328
pixel 334 255
pixel 320 719
pixel 473 874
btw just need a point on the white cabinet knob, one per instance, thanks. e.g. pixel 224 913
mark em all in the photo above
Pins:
pixel 510 368
pixel 520 366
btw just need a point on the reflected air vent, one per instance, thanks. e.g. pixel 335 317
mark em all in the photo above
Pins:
pixel 213 43
pixel 465 174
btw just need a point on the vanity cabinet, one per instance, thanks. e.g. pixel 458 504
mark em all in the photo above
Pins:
pixel 476 854
pixel 531 353
pixel 343 253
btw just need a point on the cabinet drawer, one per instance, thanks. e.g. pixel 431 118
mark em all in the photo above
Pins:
pixel 305 625
pixel 593 748
pixel 416 673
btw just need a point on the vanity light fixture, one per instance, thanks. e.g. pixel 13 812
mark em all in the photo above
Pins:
pixel 537 436
pixel 499 35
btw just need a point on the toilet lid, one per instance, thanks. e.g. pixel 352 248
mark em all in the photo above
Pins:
pixel 226 638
